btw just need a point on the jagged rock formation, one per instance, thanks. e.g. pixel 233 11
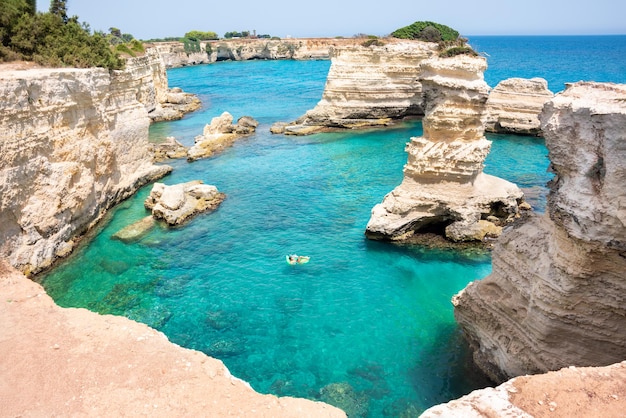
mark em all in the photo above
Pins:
pixel 174 105
pixel 514 106
pixel 74 143
pixel 73 362
pixel 557 293
pixel 368 86
pixel 174 54
pixel 219 134
pixel 177 203
pixel 444 189
pixel 167 149
pixel 570 392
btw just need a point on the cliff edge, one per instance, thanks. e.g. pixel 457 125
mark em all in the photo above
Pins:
pixel 557 293
pixel 73 362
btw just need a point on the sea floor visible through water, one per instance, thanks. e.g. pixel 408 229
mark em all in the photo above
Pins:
pixel 365 325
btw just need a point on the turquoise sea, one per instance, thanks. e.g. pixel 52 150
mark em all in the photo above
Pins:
pixel 370 318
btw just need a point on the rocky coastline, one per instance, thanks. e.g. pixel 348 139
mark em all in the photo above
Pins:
pixel 76 144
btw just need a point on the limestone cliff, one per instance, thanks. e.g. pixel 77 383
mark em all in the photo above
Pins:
pixel 369 85
pixel 444 189
pixel 74 143
pixel 174 54
pixel 514 106
pixel 557 293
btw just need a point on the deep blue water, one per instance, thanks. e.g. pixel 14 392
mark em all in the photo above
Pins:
pixel 373 315
pixel 558 59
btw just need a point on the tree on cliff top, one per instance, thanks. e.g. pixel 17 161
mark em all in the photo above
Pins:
pixel 51 39
pixel 426 31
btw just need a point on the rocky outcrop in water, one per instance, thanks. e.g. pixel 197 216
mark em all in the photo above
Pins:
pixel 368 85
pixel 73 362
pixel 219 134
pixel 514 106
pixel 444 188
pixel 557 293
pixel 176 204
pixel 74 143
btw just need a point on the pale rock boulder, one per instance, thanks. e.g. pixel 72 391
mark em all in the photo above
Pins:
pixel 557 293
pixel 220 134
pixel 514 106
pixel 176 204
pixel 74 142
pixel 444 189
pixel 368 85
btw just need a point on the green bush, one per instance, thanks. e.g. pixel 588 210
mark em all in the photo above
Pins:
pixel 201 36
pixel 375 42
pixel 51 39
pixel 191 45
pixel 426 31
pixel 458 50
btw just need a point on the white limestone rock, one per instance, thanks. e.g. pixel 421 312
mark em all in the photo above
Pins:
pixel 557 293
pixel 368 86
pixel 514 106
pixel 444 189
pixel 176 204
pixel 74 143
pixel 219 134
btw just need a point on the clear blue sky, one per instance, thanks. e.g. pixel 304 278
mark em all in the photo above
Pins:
pixel 146 19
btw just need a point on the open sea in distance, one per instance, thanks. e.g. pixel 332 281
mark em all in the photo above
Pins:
pixel 371 318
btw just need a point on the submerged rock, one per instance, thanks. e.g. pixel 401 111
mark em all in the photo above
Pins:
pixel 135 231
pixel 220 134
pixel 343 396
pixel 175 204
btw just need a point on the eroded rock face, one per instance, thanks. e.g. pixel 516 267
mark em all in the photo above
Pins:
pixel 73 362
pixel 220 134
pixel 444 189
pixel 177 203
pixel 368 86
pixel 514 106
pixel 557 293
pixel 74 143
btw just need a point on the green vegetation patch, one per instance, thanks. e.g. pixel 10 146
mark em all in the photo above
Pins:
pixel 426 31
pixel 51 39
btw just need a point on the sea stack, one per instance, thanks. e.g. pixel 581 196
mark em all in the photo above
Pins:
pixel 557 293
pixel 444 189
pixel 369 84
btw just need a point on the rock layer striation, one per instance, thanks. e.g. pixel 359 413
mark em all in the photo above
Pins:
pixel 444 189
pixel 369 85
pixel 74 143
pixel 557 293
pixel 514 106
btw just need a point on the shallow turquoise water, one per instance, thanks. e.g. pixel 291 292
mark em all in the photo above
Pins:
pixel 372 314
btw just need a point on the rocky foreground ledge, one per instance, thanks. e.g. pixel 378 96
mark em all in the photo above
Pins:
pixel 73 362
